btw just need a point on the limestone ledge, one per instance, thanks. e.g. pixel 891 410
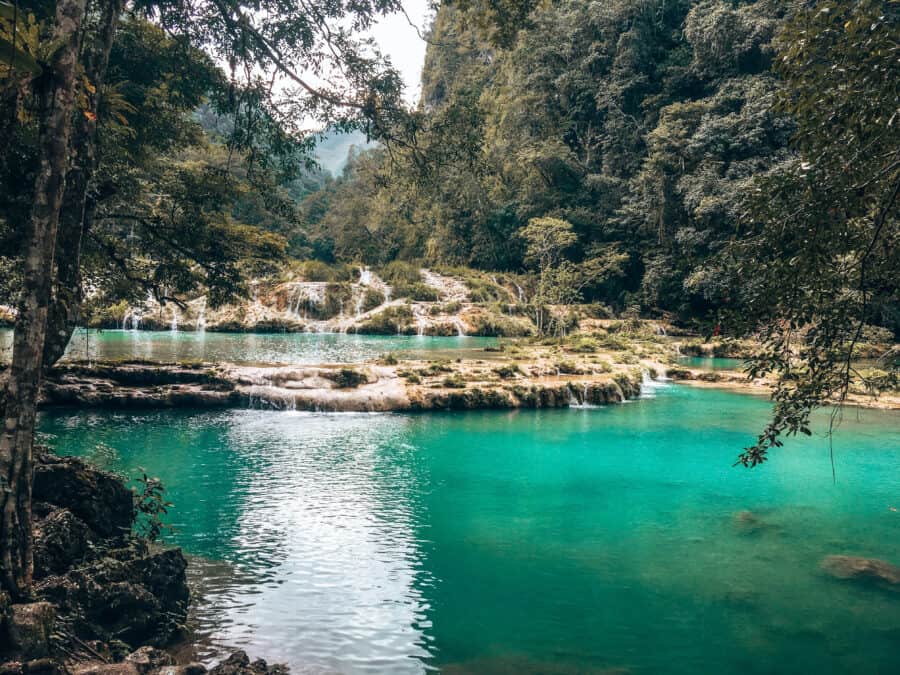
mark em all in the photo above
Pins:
pixel 408 386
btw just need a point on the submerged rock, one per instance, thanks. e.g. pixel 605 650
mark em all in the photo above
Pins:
pixel 857 568
pixel 239 664
pixel 750 522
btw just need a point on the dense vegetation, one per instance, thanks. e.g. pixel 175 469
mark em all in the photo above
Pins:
pixel 640 123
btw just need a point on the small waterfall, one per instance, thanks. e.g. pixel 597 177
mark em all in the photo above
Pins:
pixel 421 319
pixel 520 292
pixel 365 276
pixel 574 402
pixel 650 385
pixel 307 296
pixel 132 319
pixel 201 317
pixel 174 323
pixel 460 327
pixel 659 330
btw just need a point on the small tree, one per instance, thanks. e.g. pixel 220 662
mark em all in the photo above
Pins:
pixel 559 280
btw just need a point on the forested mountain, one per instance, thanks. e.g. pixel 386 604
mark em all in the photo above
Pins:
pixel 639 122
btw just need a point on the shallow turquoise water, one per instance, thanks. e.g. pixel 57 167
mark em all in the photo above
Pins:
pixel 522 542
pixel 711 363
pixel 167 346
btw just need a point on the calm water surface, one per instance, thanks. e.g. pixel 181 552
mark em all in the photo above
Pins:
pixel 558 541
pixel 167 346
pixel 711 362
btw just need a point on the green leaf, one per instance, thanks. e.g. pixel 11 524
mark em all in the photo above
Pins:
pixel 18 59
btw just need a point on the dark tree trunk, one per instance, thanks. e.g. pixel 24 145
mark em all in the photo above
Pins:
pixel 76 215
pixel 56 93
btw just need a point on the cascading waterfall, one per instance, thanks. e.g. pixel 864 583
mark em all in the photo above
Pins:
pixel 307 297
pixel 460 327
pixel 174 323
pixel 132 319
pixel 650 385
pixel 421 320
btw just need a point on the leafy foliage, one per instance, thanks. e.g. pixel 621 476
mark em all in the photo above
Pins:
pixel 816 260
pixel 152 507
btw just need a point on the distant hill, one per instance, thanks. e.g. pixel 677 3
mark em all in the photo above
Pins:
pixel 333 150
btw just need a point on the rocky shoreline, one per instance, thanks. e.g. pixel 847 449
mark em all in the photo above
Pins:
pixel 513 376
pixel 106 600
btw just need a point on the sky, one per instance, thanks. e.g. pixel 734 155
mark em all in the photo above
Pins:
pixel 406 49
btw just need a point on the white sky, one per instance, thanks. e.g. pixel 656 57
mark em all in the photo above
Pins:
pixel 406 49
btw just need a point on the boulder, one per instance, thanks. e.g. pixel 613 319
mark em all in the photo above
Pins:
pixel 147 659
pixel 138 598
pixel 98 498
pixel 192 668
pixel 61 540
pixel 29 627
pixel 239 664
pixel 164 574
pixel 862 569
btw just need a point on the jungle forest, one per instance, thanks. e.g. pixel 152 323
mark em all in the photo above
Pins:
pixel 303 359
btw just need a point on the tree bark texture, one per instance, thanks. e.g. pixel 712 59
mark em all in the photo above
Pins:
pixel 55 89
pixel 77 207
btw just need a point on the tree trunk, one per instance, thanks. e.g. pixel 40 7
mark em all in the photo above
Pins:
pixel 56 92
pixel 76 215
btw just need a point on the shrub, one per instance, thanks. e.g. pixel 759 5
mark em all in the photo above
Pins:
pixel 582 345
pixel 401 272
pixel 110 316
pixel 597 310
pixel 410 376
pixel 372 299
pixel 436 367
pixel 390 321
pixel 388 359
pixel 613 342
pixel 508 370
pixel 454 381
pixel 418 291
pixel 568 368
pixel 494 325
pixel 316 270
pixel 347 378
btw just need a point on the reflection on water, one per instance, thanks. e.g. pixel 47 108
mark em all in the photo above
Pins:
pixel 549 541
pixel 300 348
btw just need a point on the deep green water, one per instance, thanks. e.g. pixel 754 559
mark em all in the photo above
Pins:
pixel 167 346
pixel 523 542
